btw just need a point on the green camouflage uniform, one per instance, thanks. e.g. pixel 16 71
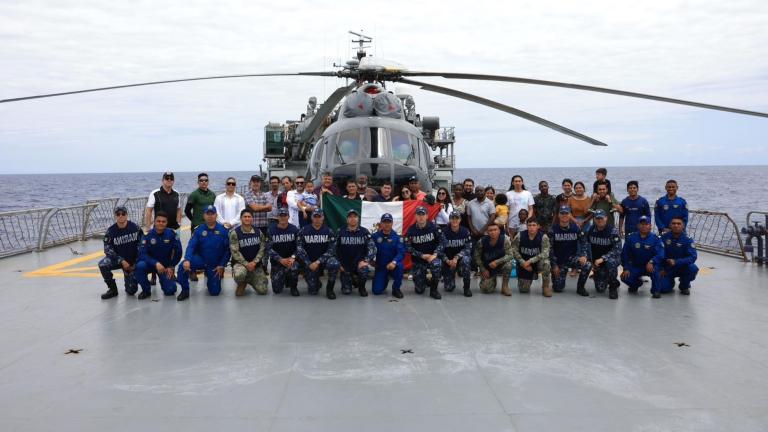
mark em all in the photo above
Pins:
pixel 503 268
pixel 541 263
pixel 256 278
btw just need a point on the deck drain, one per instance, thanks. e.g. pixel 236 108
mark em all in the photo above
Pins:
pixel 73 351
pixel 681 344
pixel 406 351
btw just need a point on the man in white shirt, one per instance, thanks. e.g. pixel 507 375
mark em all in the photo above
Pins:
pixel 229 205
pixel 517 199
pixel 292 198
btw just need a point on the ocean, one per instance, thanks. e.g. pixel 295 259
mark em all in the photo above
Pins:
pixel 735 190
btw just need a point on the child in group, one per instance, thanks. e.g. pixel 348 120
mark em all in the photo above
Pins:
pixel 600 176
pixel 307 202
pixel 523 216
pixel 502 211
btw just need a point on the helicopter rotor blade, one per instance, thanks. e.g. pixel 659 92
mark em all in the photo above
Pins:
pixel 324 110
pixel 505 108
pixel 483 77
pixel 167 82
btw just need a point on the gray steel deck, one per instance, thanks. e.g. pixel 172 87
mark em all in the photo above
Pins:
pixel 282 363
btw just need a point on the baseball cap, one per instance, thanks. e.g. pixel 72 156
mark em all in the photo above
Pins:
pixel 421 210
pixel 352 211
pixel 455 214
pixel 413 179
pixel 209 209
pixel 282 211
pixel 600 214
pixel 318 212
pixel 386 217
pixel 168 175
pixel 565 209
pixel 644 219
pixel 121 209
pixel 256 178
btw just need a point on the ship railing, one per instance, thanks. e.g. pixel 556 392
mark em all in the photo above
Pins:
pixel 24 231
pixel 716 232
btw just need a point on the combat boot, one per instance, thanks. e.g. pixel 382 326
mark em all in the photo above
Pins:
pixel 433 292
pixel 685 291
pixel 397 294
pixel 505 289
pixel 329 291
pixel 580 290
pixel 295 288
pixel 613 293
pixel 656 295
pixel 524 286
pixel 240 289
pixel 144 295
pixel 361 287
pixel 467 290
pixel 111 290
pixel 546 289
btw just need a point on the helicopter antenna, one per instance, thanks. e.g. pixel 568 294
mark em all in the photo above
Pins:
pixel 361 43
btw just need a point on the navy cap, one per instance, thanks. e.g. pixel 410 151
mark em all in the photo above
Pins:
pixel 282 211
pixel 644 219
pixel 600 214
pixel 209 209
pixel 121 209
pixel 256 178
pixel 317 212
pixel 386 217
pixel 565 209
pixel 421 210
pixel 352 211
pixel 455 214
pixel 413 179
pixel 169 175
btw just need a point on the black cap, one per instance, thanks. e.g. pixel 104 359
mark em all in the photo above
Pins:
pixel 256 178
pixel 168 175
pixel 121 209
pixel 413 179
pixel 421 210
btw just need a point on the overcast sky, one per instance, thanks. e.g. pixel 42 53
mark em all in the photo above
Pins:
pixel 709 51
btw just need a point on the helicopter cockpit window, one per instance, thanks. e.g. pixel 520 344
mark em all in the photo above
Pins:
pixel 404 149
pixel 348 146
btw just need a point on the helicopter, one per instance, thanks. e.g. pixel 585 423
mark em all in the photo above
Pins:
pixel 363 128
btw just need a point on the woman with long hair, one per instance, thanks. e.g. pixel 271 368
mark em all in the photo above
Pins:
pixel 446 207
pixel 579 203
pixel 518 198
pixel 404 195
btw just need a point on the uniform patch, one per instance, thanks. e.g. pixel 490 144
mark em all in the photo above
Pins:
pixel 379 240
pixel 637 245
pixel 669 242
pixel 666 206
pixel 204 233
pixel 216 232
pixel 153 241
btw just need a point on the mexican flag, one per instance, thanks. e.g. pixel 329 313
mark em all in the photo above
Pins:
pixel 403 212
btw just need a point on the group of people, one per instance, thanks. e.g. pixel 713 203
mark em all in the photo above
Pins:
pixel 276 236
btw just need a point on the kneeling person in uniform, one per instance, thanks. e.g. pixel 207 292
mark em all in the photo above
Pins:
pixel 247 245
pixel 208 250
pixel 457 254
pixel 531 251
pixel 604 253
pixel 390 252
pixel 121 249
pixel 316 249
pixel 494 256
pixel 159 251
pixel 425 246
pixel 642 255
pixel 568 251
pixel 680 257
pixel 356 250
pixel 282 254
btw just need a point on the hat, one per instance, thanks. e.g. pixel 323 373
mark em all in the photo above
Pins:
pixel 413 179
pixel 565 209
pixel 600 214
pixel 121 209
pixel 317 212
pixel 455 214
pixel 168 174
pixel 644 219
pixel 256 178
pixel 209 209
pixel 386 217
pixel 282 211
pixel 421 210
pixel 352 211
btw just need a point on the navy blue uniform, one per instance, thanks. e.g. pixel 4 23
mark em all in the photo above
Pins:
pixel 638 252
pixel 317 245
pixel 389 249
pixel 567 246
pixel 633 209
pixel 351 248
pixel 424 241
pixel 121 245
pixel 156 248
pixel 605 244
pixel 682 251
pixel 282 244
pixel 666 209
pixel 456 245
pixel 207 249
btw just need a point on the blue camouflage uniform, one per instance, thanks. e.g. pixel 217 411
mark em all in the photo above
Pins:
pixel 682 251
pixel 422 241
pixel 665 209
pixel 156 248
pixel 567 246
pixel 389 248
pixel 317 245
pixel 282 244
pixel 121 245
pixel 605 244
pixel 456 245
pixel 351 248
pixel 637 252
pixel 207 249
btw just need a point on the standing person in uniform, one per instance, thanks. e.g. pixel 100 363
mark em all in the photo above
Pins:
pixel 604 253
pixel 316 250
pixel 164 199
pixel 121 250
pixel 282 253
pixel 390 251
pixel 669 206
pixel 545 206
pixel 207 250
pixel 159 251
pixel 356 251
pixel 642 255
pixel 480 215
pixel 423 242
pixel 494 257
pixel 229 205
pixel 568 246
pixel 247 245
pixel 518 198
pixel 680 258
pixel 531 251
pixel 457 254
pixel 633 206
pixel 273 197
pixel 259 204
pixel 197 201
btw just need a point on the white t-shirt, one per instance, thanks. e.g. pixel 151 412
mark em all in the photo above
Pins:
pixel 291 199
pixel 229 208
pixel 442 217
pixel 516 202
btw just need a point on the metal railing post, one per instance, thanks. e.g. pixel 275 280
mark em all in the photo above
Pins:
pixel 43 230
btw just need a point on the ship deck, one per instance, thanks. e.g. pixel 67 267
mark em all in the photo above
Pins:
pixel 277 363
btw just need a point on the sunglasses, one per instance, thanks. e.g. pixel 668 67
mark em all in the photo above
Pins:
pixel 299 183
pixel 231 184
pixel 168 178
pixel 441 193
pixel 120 213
